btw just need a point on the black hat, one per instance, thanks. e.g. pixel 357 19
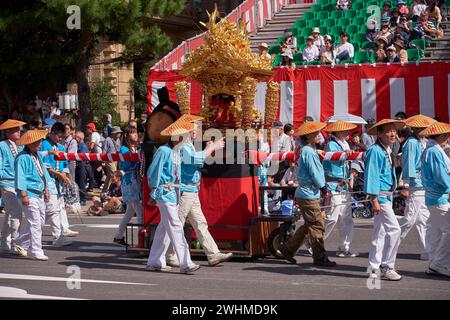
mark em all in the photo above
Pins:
pixel 166 105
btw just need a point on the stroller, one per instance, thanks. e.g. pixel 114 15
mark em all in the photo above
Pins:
pixel 359 209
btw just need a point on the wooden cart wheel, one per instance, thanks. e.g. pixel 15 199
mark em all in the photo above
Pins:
pixel 274 243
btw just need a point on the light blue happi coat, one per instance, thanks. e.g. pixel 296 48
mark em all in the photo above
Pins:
pixel 160 172
pixel 378 175
pixel 130 187
pixel 50 163
pixel 335 169
pixel 310 174
pixel 191 163
pixel 411 163
pixel 27 176
pixel 435 177
pixel 7 165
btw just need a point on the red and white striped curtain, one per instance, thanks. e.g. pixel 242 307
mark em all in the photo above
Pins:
pixel 371 91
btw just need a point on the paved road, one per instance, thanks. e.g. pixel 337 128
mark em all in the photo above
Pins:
pixel 108 273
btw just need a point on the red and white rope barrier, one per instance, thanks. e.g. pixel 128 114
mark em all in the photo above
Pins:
pixel 104 157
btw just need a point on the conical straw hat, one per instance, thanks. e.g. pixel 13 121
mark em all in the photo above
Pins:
pixel 190 118
pixel 419 121
pixel 436 129
pixel 340 126
pixel 309 127
pixel 31 136
pixel 178 128
pixel 398 125
pixel 10 123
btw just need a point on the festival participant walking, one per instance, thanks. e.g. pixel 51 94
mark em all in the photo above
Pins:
pixel 31 179
pixel 13 210
pixel 436 181
pixel 337 177
pixel 416 211
pixel 131 185
pixel 311 179
pixel 164 175
pixel 379 183
pixel 190 208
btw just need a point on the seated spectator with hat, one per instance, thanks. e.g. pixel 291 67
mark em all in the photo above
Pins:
pixel 386 11
pixel 401 52
pixel 290 40
pixel 288 59
pixel 311 52
pixel 392 55
pixel 264 51
pixel 381 54
pixel 318 39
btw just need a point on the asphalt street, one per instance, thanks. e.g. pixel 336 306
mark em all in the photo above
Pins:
pixel 107 272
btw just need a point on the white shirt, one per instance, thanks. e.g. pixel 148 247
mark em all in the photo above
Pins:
pixel 310 53
pixel 319 43
pixel 95 138
pixel 418 9
pixel 345 47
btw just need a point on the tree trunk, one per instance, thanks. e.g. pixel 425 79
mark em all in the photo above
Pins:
pixel 84 91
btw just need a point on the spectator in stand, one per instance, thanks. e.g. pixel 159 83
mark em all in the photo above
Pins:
pixel 434 13
pixel 318 39
pixel 288 60
pixel 343 4
pixel 371 32
pixel 425 27
pixel 264 51
pixel 368 139
pixel 71 146
pixel 401 52
pixel 290 41
pixel 400 35
pixel 385 32
pixel 112 144
pixel 405 24
pixel 109 202
pixel 417 7
pixel 395 18
pixel 310 53
pixel 381 54
pixel 386 11
pixel 106 119
pixel 401 5
pixel 345 50
pixel 327 54
pixel 441 5
pixel 283 47
pixel 392 55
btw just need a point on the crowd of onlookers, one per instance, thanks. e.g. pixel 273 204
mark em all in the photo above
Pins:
pixel 391 36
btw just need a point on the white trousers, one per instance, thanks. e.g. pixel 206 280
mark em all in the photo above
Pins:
pixel 12 219
pixel 190 208
pixel 169 230
pixel 342 216
pixel 55 209
pixel 385 238
pixel 438 238
pixel 133 207
pixel 416 213
pixel 31 235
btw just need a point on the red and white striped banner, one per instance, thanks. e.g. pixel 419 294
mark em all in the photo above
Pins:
pixel 371 91
pixel 103 157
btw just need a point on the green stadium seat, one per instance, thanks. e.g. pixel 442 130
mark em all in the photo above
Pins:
pixel 351 29
pixel 356 47
pixel 298 57
pixel 372 3
pixel 336 14
pixel 302 47
pixel 346 61
pixel 359 38
pixel 350 14
pixel 322 15
pixel 294 31
pixel 277 60
pixel 323 2
pixel 313 63
pixel 363 28
pixel 316 8
pixel 308 16
pixel 336 30
pixel 314 23
pixel 323 30
pixel 413 55
pixel 300 40
pixel 300 23
pixel 363 13
pixel 361 57
pixel 275 49
pixel 306 32
pixel 329 7
pixel 368 45
pixel 329 23
pixel 343 22
pixel 357 6
pixel 280 39
pixel 359 21
pixel 419 43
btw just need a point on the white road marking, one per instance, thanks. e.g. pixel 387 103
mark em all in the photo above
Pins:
pixel 102 226
pixel 16 293
pixel 102 248
pixel 13 276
